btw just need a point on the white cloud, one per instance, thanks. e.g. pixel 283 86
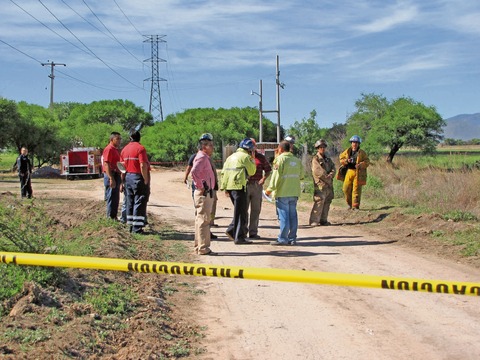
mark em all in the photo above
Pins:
pixel 389 18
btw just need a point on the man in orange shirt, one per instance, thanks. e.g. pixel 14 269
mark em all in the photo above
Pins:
pixel 137 182
pixel 111 174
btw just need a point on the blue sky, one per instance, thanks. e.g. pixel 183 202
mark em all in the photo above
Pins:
pixel 217 51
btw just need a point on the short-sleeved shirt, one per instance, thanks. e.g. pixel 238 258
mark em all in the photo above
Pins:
pixel 112 156
pixel 191 159
pixel 262 165
pixel 133 155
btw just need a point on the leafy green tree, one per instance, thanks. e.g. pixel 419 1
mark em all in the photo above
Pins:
pixel 9 117
pixel 39 132
pixel 392 125
pixel 176 138
pixel 91 124
pixel 307 131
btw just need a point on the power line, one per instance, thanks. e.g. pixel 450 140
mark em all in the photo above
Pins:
pixel 20 51
pixel 56 33
pixel 91 84
pixel 131 23
pixel 95 55
pixel 114 37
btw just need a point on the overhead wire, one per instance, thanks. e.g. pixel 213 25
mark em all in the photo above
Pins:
pixel 20 51
pixel 113 36
pixel 91 51
pixel 49 28
pixel 131 23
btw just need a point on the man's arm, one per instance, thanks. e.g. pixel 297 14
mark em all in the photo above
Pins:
pixel 109 172
pixel 145 172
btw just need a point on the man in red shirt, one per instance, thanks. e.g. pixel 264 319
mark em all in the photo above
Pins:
pixel 137 182
pixel 111 174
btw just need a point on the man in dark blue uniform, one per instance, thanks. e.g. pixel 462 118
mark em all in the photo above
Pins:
pixel 24 167
pixel 137 182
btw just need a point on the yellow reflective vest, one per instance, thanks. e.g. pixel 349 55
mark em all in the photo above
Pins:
pixel 236 170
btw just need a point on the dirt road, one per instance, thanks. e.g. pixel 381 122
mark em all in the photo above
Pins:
pixel 250 319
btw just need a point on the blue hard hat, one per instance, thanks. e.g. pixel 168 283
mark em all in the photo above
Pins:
pixel 247 144
pixel 356 138
pixel 206 136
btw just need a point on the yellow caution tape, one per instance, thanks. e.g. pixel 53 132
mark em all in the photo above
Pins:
pixel 314 277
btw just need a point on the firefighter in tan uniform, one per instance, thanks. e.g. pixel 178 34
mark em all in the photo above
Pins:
pixel 323 172
pixel 356 160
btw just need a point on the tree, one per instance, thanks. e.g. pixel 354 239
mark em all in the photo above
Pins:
pixel 176 138
pixel 335 136
pixel 307 131
pixel 39 132
pixel 8 119
pixel 392 125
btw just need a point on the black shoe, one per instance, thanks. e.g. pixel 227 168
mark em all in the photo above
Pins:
pixel 325 223
pixel 243 242
pixel 213 236
pixel 256 236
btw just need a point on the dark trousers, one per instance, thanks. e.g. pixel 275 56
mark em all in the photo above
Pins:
pixel 112 196
pixel 137 197
pixel 25 185
pixel 239 222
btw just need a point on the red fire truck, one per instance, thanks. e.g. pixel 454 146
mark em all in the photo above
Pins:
pixel 81 162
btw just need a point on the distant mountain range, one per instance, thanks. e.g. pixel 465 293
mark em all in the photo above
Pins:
pixel 463 127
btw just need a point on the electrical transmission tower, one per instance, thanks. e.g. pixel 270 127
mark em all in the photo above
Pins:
pixel 155 100
pixel 52 77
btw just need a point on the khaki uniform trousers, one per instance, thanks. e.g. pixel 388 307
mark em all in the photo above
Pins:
pixel 254 202
pixel 321 204
pixel 203 207
pixel 351 189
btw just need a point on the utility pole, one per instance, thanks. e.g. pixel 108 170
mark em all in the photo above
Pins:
pixel 260 106
pixel 51 76
pixel 260 110
pixel 279 85
pixel 155 99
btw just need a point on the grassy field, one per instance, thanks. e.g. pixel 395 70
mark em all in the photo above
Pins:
pixel 7 160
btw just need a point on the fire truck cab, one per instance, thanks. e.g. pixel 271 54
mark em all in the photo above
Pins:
pixel 81 162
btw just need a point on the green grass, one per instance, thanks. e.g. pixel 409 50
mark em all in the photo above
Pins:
pixel 27 336
pixel 112 299
pixel 467 240
pixel 7 160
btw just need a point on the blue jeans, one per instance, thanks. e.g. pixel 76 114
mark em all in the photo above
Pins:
pixel 287 213
pixel 112 196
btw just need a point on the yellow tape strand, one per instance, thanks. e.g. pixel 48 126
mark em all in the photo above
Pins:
pixel 313 277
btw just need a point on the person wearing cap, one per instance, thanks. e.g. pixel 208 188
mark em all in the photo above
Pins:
pixel 323 172
pixel 285 185
pixel 236 169
pixel 111 174
pixel 204 178
pixel 356 160
pixel 191 159
pixel 254 191
pixel 137 182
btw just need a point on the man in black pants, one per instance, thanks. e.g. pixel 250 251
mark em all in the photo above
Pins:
pixel 24 167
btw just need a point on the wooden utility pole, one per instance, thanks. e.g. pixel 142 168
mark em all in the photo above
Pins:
pixel 52 76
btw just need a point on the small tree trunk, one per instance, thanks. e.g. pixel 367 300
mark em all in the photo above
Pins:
pixel 392 153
